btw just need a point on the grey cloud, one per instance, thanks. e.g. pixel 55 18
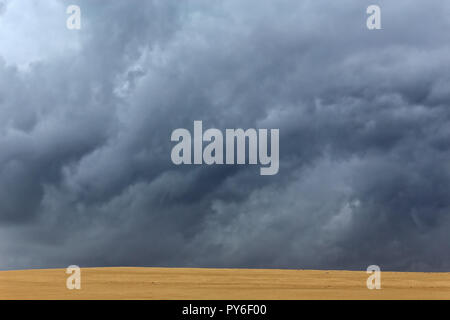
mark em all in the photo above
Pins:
pixel 86 176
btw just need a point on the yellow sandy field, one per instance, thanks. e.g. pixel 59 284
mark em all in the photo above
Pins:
pixel 211 284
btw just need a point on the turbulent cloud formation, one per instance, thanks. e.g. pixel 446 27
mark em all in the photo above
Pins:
pixel 86 117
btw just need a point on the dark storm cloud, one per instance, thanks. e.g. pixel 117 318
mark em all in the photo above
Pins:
pixel 86 176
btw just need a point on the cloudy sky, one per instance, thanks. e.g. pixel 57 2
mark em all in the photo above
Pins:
pixel 86 117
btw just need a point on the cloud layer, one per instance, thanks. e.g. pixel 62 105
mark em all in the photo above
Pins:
pixel 86 118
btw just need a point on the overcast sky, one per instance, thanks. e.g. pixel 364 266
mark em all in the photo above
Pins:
pixel 86 117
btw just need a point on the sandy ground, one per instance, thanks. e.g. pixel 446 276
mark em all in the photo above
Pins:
pixel 211 284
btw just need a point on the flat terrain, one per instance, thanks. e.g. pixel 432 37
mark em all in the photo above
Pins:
pixel 165 283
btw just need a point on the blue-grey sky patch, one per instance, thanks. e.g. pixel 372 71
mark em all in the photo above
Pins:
pixel 86 118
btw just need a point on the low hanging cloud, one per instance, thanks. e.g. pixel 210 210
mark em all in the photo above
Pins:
pixel 86 117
